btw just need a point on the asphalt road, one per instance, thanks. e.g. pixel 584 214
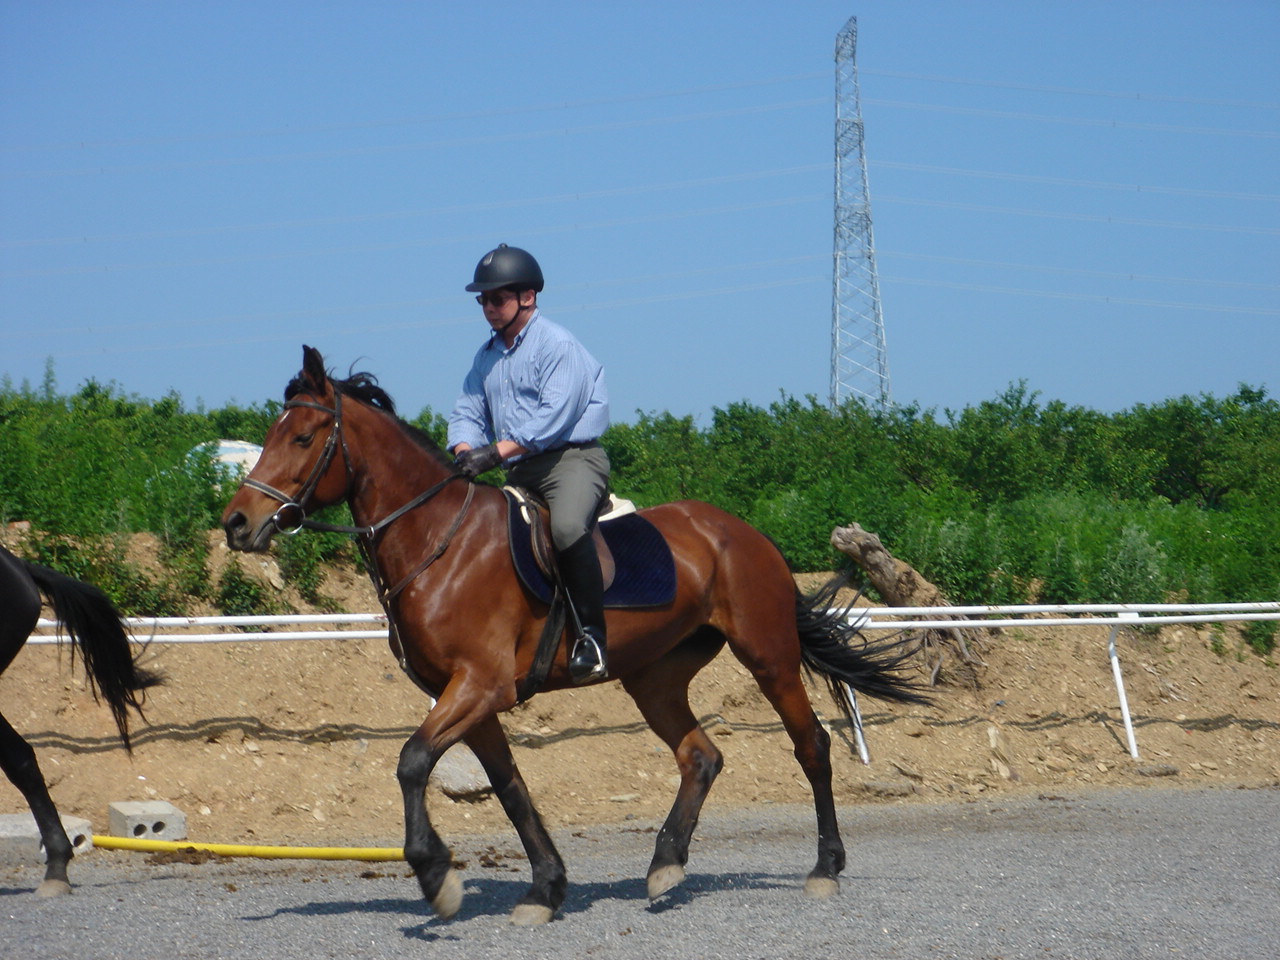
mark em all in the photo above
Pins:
pixel 1098 874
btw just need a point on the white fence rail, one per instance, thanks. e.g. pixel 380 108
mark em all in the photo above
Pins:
pixel 153 629
pixel 164 629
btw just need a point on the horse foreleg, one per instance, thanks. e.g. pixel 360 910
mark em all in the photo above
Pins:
pixel 662 694
pixel 464 704
pixel 18 761
pixel 425 852
pixel 489 743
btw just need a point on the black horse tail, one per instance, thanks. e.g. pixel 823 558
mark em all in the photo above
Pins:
pixel 832 646
pixel 98 632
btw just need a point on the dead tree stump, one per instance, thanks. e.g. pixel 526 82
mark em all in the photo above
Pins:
pixel 901 585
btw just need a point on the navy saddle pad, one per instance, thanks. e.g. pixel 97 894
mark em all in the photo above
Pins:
pixel 645 574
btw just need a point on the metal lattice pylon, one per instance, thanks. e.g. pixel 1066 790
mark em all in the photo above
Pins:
pixel 859 366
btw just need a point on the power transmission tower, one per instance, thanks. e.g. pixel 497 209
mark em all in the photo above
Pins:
pixel 859 367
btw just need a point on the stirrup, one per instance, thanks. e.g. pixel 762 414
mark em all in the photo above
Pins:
pixel 587 663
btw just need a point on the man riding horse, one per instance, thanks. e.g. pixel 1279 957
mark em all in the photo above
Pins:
pixel 535 400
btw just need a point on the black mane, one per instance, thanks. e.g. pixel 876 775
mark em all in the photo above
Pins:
pixel 360 386
pixel 364 387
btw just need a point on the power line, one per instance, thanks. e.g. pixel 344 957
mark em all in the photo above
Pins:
pixel 1088 297
pixel 462 208
pixel 562 131
pixel 1075 92
pixel 1082 217
pixel 1076 271
pixel 656 217
pixel 1074 182
pixel 633 190
pixel 488 139
pixel 295 129
pixel 595 308
pixel 1077 121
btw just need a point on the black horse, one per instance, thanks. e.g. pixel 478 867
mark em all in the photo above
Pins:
pixel 96 630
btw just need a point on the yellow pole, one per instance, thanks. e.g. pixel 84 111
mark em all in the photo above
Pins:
pixel 242 850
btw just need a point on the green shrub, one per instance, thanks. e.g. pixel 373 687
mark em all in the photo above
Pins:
pixel 1261 636
pixel 239 595
pixel 303 557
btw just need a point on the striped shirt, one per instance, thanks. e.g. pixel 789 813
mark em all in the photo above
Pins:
pixel 542 393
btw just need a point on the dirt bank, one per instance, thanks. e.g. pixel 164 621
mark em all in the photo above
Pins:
pixel 297 741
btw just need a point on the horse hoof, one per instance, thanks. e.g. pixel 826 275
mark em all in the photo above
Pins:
pixel 53 888
pixel 664 878
pixel 531 915
pixel 821 888
pixel 448 899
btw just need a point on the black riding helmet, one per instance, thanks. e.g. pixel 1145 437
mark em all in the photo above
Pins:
pixel 507 267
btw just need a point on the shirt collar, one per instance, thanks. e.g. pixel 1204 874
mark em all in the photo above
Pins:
pixel 495 338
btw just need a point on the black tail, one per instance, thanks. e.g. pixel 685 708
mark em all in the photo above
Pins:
pixel 834 648
pixel 96 630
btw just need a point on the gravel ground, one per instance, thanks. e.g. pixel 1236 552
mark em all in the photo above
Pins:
pixel 1097 874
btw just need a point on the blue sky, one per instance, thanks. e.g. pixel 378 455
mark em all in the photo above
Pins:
pixel 1080 195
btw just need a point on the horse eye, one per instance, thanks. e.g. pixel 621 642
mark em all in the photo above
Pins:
pixel 304 440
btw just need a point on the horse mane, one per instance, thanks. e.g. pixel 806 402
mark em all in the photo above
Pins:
pixel 363 386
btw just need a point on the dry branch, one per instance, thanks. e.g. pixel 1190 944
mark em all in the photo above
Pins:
pixel 901 585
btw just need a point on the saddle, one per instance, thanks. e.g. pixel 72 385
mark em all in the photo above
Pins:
pixel 635 560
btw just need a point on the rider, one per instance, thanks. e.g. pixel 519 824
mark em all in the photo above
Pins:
pixel 535 400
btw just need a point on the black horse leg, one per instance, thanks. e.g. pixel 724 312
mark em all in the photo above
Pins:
pixel 813 751
pixel 547 892
pixel 21 602
pixel 18 761
pixel 661 693
pixel 425 852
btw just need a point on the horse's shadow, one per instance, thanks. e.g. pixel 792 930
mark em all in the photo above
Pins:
pixel 492 897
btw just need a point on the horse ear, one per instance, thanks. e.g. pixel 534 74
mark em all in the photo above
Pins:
pixel 313 367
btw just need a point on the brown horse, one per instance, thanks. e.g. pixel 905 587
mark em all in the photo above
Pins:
pixel 97 632
pixel 466 630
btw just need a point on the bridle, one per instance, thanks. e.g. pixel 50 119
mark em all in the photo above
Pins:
pixel 321 467
pixel 367 534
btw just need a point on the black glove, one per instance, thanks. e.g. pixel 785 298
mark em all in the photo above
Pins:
pixel 477 460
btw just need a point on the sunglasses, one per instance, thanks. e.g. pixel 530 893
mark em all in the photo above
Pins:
pixel 499 298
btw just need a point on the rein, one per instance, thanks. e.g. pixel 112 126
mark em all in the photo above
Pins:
pixel 367 534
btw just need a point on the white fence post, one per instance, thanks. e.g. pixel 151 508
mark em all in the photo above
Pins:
pixel 857 723
pixel 1115 672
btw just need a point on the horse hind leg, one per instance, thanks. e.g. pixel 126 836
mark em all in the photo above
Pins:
pixel 17 759
pixel 784 688
pixel 661 691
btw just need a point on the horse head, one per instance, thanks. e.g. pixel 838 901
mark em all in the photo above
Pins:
pixel 304 464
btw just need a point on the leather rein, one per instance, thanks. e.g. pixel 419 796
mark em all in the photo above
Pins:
pixel 367 534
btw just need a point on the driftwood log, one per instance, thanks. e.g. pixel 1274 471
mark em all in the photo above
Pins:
pixel 901 585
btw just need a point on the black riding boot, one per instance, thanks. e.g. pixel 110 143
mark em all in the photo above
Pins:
pixel 580 569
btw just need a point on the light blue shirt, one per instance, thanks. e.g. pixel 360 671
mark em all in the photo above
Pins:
pixel 543 392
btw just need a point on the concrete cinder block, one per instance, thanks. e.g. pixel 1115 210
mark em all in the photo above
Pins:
pixel 146 820
pixel 20 843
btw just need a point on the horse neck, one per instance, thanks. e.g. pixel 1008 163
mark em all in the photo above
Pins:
pixel 389 467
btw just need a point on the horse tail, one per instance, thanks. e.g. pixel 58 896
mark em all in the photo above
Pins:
pixel 832 646
pixel 98 632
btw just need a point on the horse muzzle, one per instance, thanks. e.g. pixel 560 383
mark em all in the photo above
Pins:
pixel 246 536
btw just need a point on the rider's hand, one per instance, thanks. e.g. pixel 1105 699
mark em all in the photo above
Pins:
pixel 477 460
